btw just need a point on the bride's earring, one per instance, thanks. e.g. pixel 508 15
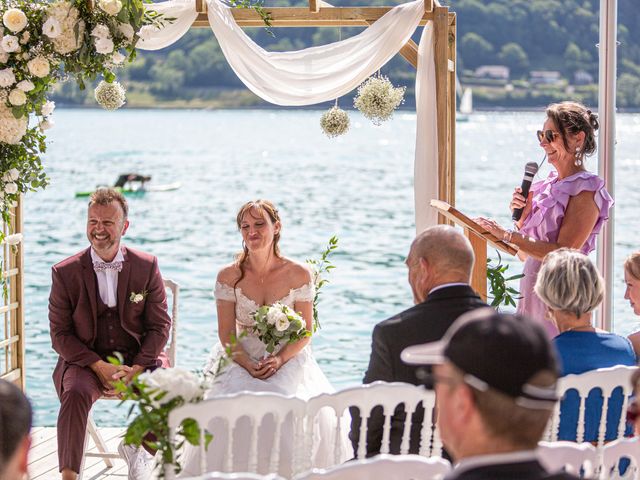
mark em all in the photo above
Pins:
pixel 578 160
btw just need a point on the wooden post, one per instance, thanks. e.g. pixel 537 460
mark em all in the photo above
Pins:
pixel 451 111
pixel 479 273
pixel 441 34
pixel 16 287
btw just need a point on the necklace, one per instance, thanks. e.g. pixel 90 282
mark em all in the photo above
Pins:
pixel 577 328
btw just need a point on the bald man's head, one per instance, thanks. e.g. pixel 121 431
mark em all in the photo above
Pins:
pixel 447 253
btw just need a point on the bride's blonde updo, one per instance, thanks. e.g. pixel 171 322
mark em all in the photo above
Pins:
pixel 266 209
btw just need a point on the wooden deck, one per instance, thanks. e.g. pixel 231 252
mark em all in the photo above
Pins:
pixel 43 457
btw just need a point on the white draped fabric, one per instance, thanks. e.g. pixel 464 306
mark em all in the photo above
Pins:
pixel 319 74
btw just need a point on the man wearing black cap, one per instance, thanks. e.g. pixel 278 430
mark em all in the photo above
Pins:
pixel 440 261
pixel 495 380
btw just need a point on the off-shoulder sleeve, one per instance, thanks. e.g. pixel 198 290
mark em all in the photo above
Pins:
pixel 224 292
pixel 305 293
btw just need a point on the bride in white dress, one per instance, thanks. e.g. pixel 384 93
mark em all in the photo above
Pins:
pixel 262 276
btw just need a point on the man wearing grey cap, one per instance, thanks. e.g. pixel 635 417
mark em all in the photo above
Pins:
pixel 439 262
pixel 495 380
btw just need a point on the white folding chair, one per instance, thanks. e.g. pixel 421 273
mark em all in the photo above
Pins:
pixel 92 430
pixel 235 476
pixel 384 467
pixel 580 459
pixel 366 397
pixel 226 411
pixel 614 451
pixel 605 379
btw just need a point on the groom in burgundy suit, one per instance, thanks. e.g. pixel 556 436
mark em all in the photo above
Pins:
pixel 104 299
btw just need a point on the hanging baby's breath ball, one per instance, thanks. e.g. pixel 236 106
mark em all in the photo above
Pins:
pixel 111 96
pixel 334 122
pixel 377 98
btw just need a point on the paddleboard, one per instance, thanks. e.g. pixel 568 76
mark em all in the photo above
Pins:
pixel 139 191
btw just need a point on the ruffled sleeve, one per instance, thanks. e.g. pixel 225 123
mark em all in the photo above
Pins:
pixel 305 293
pixel 224 292
pixel 550 200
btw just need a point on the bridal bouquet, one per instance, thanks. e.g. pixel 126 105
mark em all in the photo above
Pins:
pixel 156 394
pixel 278 323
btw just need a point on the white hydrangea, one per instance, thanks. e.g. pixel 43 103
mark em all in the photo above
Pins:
pixel 10 43
pixel 176 382
pixel 39 66
pixel 101 31
pixel 17 97
pixel 68 17
pixel 377 99
pixel 104 45
pixel 110 96
pixel 25 85
pixel 12 129
pixel 7 77
pixel 51 28
pixel 14 19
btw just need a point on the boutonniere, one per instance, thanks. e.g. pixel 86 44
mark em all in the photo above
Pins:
pixel 137 297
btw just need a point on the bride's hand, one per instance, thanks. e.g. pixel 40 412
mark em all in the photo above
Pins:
pixel 267 367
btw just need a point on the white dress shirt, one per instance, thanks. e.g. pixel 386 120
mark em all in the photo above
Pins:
pixel 108 280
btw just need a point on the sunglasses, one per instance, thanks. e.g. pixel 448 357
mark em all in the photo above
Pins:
pixel 633 411
pixel 548 135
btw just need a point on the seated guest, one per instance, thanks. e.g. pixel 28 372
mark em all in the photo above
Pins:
pixel 495 380
pixel 571 287
pixel 15 424
pixel 632 292
pixel 633 412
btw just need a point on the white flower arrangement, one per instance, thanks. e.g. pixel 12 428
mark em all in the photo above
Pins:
pixel 377 99
pixel 137 297
pixel 110 96
pixel 12 129
pixel 278 323
pixel 14 19
pixel 334 122
pixel 67 18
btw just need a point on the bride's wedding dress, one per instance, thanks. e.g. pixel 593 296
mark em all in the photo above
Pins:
pixel 301 377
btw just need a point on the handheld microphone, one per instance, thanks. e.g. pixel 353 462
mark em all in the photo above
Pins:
pixel 530 171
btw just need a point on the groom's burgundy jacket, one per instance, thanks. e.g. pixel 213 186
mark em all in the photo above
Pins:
pixel 73 310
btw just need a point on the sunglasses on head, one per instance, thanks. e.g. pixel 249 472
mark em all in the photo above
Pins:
pixel 548 135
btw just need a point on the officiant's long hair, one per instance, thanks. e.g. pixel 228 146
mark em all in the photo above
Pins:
pixel 266 209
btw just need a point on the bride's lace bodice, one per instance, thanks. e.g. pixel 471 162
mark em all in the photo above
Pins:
pixel 246 306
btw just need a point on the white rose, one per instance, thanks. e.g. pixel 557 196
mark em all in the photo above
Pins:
pixel 126 30
pixel 26 85
pixel 52 28
pixel 4 57
pixel 272 315
pixel 11 175
pixel 101 31
pixel 39 67
pixel 14 239
pixel 48 108
pixel 17 97
pixel 10 43
pixel 177 382
pixel 7 77
pixel 46 124
pixel 282 323
pixel 11 188
pixel 14 19
pixel 104 45
pixel 112 7
pixel 137 298
pixel 117 58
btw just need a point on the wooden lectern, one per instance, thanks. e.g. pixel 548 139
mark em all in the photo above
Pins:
pixel 478 237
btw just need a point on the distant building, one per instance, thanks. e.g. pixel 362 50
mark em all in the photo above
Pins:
pixel 582 78
pixel 496 72
pixel 544 77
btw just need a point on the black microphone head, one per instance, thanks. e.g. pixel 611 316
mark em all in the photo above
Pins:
pixel 531 169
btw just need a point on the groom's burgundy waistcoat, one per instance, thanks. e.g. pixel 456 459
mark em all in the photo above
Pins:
pixel 73 313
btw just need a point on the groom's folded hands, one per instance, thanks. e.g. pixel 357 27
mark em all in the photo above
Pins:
pixel 108 373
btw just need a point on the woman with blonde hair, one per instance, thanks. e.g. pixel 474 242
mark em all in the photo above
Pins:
pixel 632 292
pixel 571 287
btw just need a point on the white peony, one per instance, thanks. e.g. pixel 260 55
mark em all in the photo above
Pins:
pixel 126 30
pixel 69 19
pixel 112 7
pixel 14 19
pixel 10 43
pixel 48 108
pixel 12 129
pixel 7 77
pixel 104 45
pixel 51 28
pixel 177 382
pixel 282 323
pixel 273 314
pixel 101 31
pixel 14 239
pixel 11 188
pixel 11 175
pixel 25 85
pixel 17 97
pixel 39 67
pixel 117 58
pixel 46 124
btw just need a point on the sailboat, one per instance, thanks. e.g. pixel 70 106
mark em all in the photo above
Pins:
pixel 466 106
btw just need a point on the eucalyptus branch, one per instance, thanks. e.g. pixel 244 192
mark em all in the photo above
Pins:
pixel 323 265
pixel 258 7
pixel 501 293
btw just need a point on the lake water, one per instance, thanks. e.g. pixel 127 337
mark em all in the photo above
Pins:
pixel 358 187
